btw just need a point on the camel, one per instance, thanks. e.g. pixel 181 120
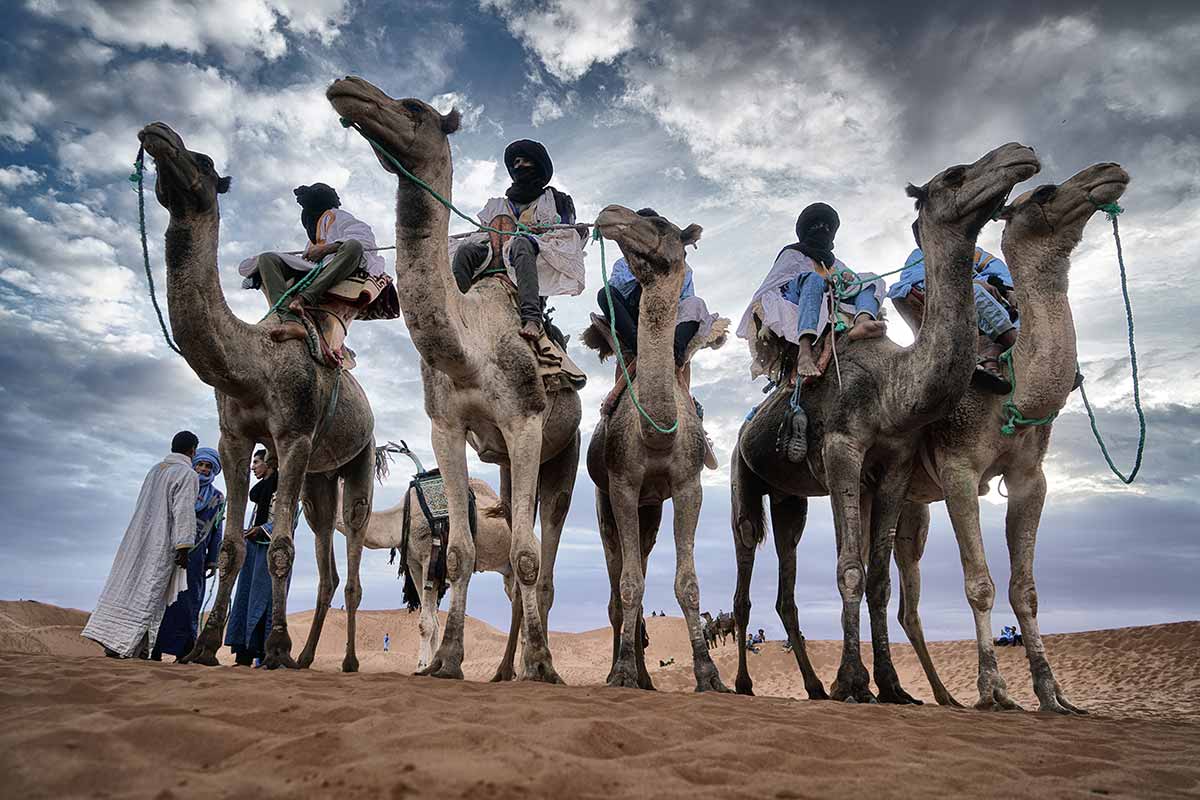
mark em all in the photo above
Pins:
pixel 719 628
pixel 967 449
pixel 636 466
pixel 481 379
pixel 267 391
pixel 493 540
pixel 862 433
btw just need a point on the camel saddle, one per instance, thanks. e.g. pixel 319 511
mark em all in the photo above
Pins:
pixel 430 489
pixel 360 296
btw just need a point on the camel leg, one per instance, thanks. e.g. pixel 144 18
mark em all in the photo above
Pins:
pixel 235 455
pixel 1026 496
pixel 912 530
pixel 524 441
pixel 686 500
pixel 449 445
pixel 843 470
pixel 788 516
pixel 649 520
pixel 885 512
pixel 357 494
pixel 505 671
pixel 320 506
pixel 427 625
pixel 749 528
pixel 556 482
pixel 961 485
pixel 624 503
pixel 610 539
pixel 293 461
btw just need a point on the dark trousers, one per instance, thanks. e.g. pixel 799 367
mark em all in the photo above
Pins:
pixel 625 310
pixel 469 258
pixel 277 276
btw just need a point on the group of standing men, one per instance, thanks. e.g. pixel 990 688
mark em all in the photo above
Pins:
pixel 153 598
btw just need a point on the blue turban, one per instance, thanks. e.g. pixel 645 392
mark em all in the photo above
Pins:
pixel 207 490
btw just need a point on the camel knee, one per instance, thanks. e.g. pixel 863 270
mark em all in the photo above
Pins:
pixel 785 607
pixel 1022 595
pixel 981 593
pixel 353 594
pixel 687 590
pixel 281 554
pixel 850 582
pixel 356 515
pixel 631 592
pixel 526 562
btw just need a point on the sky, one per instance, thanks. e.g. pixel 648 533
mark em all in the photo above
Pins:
pixel 733 115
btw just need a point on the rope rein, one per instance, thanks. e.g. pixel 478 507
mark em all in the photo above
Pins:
pixel 137 178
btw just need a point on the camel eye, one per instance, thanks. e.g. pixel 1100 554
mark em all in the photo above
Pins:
pixel 955 176
pixel 1045 194
pixel 413 107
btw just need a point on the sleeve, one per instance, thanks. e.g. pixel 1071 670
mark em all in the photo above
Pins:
pixel 323 226
pixel 622 278
pixel 214 538
pixel 995 268
pixel 565 207
pixel 688 290
pixel 183 511
pixel 346 226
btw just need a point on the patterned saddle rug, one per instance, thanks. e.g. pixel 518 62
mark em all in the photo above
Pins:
pixel 429 487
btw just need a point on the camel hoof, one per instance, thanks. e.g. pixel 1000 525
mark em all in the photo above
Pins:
pixel 542 672
pixel 713 685
pixel 947 699
pixel 350 664
pixel 503 676
pixel 744 686
pixel 817 692
pixel 276 661
pixel 623 678
pixel 305 661
pixel 440 669
pixel 1058 704
pixel 895 695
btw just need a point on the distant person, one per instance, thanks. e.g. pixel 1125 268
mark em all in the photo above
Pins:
pixel 249 618
pixel 750 643
pixel 160 534
pixel 181 622
pixel 761 638
pixel 387 642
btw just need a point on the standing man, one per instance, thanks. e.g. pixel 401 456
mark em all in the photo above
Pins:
pixel 387 642
pixel 158 539
pixel 249 617
pixel 181 622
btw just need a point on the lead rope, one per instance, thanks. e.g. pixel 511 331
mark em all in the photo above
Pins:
pixel 1113 210
pixel 137 179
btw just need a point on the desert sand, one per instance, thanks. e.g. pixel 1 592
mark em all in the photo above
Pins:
pixel 75 723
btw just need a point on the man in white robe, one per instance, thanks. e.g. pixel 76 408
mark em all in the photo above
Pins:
pixel 141 582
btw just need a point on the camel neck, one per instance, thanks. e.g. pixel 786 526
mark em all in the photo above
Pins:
pixel 943 357
pixel 214 341
pixel 429 297
pixel 656 382
pixel 1044 358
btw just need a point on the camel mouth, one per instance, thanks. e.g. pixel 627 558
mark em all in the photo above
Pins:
pixel 614 218
pixel 350 98
pixel 159 141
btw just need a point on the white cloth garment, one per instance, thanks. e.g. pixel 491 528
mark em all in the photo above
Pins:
pixel 140 583
pixel 335 225
pixel 560 253
pixel 780 315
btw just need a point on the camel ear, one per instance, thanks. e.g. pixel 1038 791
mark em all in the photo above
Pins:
pixel 223 184
pixel 451 121
pixel 919 193
pixel 690 234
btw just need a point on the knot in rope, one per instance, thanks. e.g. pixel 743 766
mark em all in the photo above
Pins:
pixel 1013 416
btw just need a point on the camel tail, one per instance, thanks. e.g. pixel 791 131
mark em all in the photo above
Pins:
pixel 747 513
pixel 594 339
pixel 412 593
pixel 383 457
pixel 501 510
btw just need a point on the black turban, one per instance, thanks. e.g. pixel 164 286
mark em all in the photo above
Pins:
pixel 815 229
pixel 528 182
pixel 314 201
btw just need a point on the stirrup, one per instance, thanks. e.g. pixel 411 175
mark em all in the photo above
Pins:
pixel 988 380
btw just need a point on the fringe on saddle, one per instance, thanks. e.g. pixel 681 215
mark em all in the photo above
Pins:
pixel 429 489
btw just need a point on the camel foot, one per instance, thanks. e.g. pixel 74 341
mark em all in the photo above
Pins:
pixel 623 676
pixel 541 670
pixel 203 658
pixel 996 699
pixel 504 674
pixel 890 690
pixel 817 692
pixel 709 680
pixel 646 684
pixel 305 660
pixel 287 331
pixel 743 685
pixel 1052 700
pixel 442 669
pixel 869 329
pixel 944 698
pixel 350 664
pixel 279 650
pixel 204 651
pixel 852 685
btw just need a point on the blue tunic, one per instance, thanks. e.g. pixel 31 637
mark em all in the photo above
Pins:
pixel 181 622
pixel 250 616
pixel 986 265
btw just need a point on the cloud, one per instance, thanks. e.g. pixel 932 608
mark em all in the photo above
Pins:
pixel 569 36
pixel 545 110
pixel 16 176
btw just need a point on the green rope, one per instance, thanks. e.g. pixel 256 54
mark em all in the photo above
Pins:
pixel 137 178
pixel 1112 209
pixel 612 324
pixel 1013 416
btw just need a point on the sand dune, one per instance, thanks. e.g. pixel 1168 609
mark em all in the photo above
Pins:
pixel 75 723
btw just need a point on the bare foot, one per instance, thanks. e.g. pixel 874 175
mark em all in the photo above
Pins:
pixel 288 330
pixel 296 306
pixel 806 364
pixel 531 330
pixel 867 329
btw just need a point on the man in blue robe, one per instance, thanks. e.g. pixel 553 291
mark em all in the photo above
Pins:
pixel 181 621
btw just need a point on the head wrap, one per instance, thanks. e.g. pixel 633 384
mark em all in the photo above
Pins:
pixel 815 229
pixel 314 201
pixel 207 490
pixel 528 182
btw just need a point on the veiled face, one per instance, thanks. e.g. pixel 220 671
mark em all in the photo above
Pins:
pixel 203 469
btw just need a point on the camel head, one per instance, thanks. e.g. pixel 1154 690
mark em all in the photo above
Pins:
pixel 652 245
pixel 964 197
pixel 1048 221
pixel 187 182
pixel 411 130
